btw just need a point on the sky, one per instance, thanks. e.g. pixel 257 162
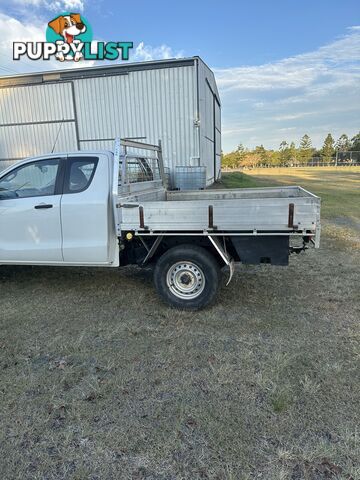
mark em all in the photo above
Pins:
pixel 283 67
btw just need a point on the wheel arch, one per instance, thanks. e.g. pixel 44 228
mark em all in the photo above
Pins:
pixel 171 241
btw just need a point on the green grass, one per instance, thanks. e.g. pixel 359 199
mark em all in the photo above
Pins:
pixel 239 180
pixel 100 381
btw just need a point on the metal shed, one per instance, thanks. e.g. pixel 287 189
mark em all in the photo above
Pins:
pixel 176 101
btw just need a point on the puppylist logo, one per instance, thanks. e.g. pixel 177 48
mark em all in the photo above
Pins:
pixel 69 37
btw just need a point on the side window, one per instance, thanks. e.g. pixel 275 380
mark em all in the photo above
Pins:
pixel 80 174
pixel 34 179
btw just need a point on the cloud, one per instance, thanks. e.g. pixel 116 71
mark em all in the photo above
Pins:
pixel 15 31
pixel 298 71
pixel 293 116
pixel 237 130
pixel 57 5
pixel 312 92
pixel 145 53
pixel 287 129
pixel 66 5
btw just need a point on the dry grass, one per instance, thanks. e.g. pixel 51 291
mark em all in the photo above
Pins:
pixel 99 380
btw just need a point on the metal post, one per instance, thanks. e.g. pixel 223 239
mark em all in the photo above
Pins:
pixel 123 166
pixel 161 165
pixel 117 149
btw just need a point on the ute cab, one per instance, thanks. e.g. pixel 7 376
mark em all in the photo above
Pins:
pixel 55 209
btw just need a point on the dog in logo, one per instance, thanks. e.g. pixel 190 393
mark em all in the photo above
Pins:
pixel 68 26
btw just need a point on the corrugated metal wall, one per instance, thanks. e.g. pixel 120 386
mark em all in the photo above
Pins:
pixel 30 119
pixel 155 104
pixel 174 104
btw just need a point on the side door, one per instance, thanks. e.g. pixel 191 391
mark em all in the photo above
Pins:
pixel 30 227
pixel 86 215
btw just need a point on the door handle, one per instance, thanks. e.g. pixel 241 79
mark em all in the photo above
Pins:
pixel 43 205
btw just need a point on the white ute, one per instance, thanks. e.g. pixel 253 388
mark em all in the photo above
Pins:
pixel 111 209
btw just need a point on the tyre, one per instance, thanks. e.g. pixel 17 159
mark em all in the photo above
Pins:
pixel 187 277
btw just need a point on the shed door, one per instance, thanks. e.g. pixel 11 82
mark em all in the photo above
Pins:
pixel 212 134
pixel 217 135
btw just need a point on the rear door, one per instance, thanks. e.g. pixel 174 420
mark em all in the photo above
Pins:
pixel 86 214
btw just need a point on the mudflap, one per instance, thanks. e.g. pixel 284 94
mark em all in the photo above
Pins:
pixel 262 249
pixel 232 270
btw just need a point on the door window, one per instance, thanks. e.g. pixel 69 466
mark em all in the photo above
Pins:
pixel 80 174
pixel 34 179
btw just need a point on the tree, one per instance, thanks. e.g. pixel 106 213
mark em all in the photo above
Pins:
pixel 252 159
pixel 343 143
pixel 240 154
pixel 305 149
pixel 274 157
pixel 287 153
pixel 305 142
pixel 355 143
pixel 328 149
pixel 284 152
pixel 234 159
pixel 292 153
pixel 262 154
pixel 229 160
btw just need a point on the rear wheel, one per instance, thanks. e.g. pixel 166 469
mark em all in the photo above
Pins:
pixel 187 277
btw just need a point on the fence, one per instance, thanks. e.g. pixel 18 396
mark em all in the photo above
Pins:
pixel 340 159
